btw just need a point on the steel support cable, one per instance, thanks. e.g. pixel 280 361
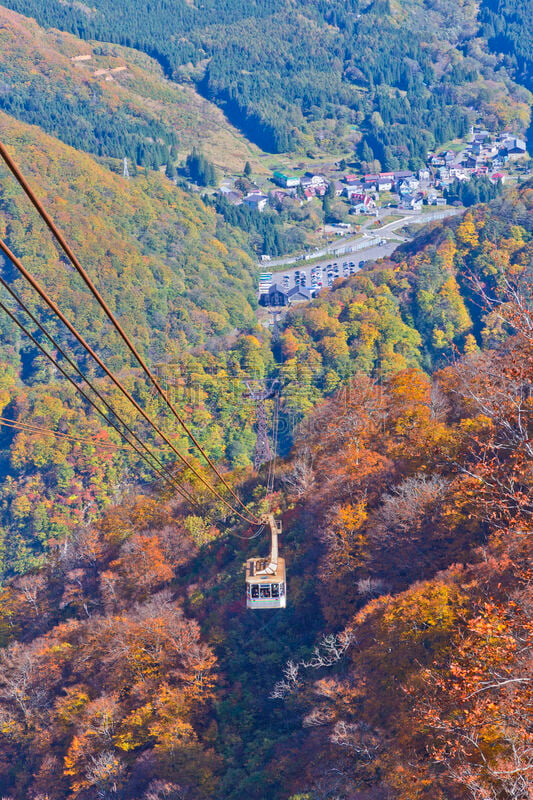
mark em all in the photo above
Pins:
pixel 27 428
pixel 183 492
pixel 75 367
pixel 56 310
pixel 15 170
pixel 272 464
pixel 272 467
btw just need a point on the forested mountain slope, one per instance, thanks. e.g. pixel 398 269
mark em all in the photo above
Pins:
pixel 406 76
pixel 113 102
pixel 129 667
pixel 399 670
pixel 152 246
pixel 175 278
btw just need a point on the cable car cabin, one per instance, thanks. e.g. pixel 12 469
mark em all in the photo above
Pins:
pixel 265 577
pixel 265 590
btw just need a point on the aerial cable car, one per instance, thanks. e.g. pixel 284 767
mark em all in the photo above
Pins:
pixel 265 577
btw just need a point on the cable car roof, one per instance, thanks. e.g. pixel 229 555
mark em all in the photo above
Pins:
pixel 255 564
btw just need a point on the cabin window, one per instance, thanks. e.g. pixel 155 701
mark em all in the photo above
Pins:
pixel 281 589
pixel 264 591
pixel 255 590
pixel 275 590
pixel 248 590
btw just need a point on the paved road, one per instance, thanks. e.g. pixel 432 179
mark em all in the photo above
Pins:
pixel 333 250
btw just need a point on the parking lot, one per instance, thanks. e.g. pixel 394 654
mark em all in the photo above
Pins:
pixel 324 273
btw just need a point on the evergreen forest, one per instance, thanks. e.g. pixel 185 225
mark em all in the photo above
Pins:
pixel 382 68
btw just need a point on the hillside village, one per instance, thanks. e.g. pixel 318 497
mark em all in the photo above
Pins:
pixel 486 155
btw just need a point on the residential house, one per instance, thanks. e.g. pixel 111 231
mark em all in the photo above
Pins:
pixel 360 208
pixel 313 180
pixel 256 201
pixel 371 181
pixel 407 183
pixel 384 184
pixel 314 189
pixel 481 136
pixel 515 148
pixel 407 186
pixel 472 162
pixel 412 202
pixel 355 188
pixel 402 173
pixel 362 203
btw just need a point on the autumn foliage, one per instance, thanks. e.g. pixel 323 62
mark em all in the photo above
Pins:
pixel 401 669
pixel 103 678
pixel 423 491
